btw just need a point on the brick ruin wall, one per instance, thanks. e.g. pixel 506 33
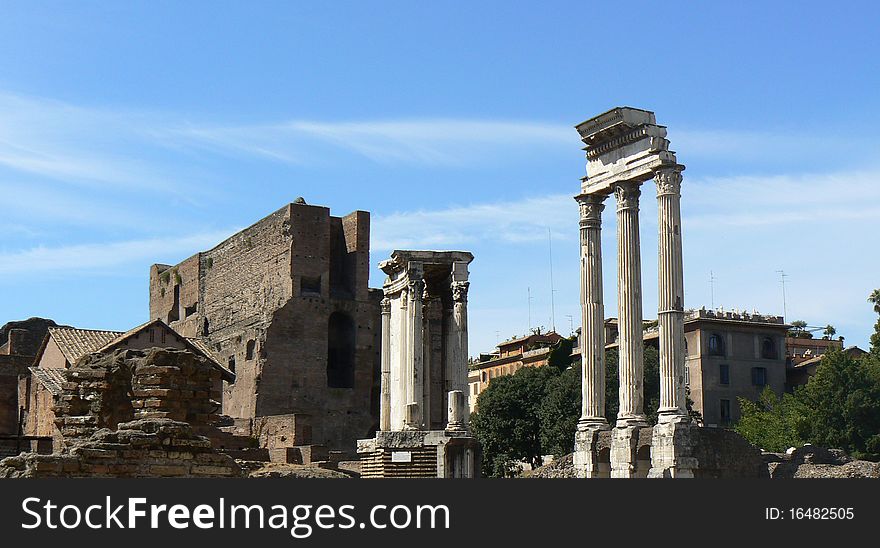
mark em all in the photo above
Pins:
pixel 133 413
pixel 12 368
pixel 264 298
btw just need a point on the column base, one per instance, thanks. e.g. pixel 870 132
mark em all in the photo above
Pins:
pixel 672 415
pixel 585 424
pixel 673 450
pixel 591 460
pixel 630 421
pixel 629 452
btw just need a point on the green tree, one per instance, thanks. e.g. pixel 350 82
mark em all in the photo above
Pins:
pixel 772 423
pixel 560 411
pixel 874 298
pixel 798 329
pixel 829 332
pixel 842 400
pixel 507 422
pixel 560 354
pixel 837 408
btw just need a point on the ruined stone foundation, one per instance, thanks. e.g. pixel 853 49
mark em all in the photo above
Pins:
pixel 144 448
pixel 133 413
pixel 674 450
pixel 420 454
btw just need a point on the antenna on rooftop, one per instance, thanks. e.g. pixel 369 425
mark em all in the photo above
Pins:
pixel 552 291
pixel 570 324
pixel 529 289
pixel 782 277
pixel 712 279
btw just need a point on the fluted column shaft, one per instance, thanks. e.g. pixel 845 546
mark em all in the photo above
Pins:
pixel 592 314
pixel 416 390
pixel 385 409
pixel 629 299
pixel 460 339
pixel 671 296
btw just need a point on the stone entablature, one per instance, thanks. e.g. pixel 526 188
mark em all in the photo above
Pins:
pixel 623 144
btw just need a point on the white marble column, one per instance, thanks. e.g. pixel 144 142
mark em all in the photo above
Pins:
pixel 459 371
pixel 629 304
pixel 385 409
pixel 416 351
pixel 592 314
pixel 671 297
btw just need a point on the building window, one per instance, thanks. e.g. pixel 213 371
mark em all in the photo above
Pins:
pixel 759 376
pixel 231 363
pixel 249 350
pixel 162 336
pixel 724 373
pixel 725 412
pixel 152 335
pixel 310 285
pixel 768 349
pixel 716 345
pixel 341 335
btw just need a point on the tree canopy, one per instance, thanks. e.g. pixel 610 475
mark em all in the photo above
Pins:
pixel 837 408
pixel 534 412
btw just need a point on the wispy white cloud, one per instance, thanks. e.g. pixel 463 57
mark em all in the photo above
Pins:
pixel 45 208
pixel 98 257
pixel 511 222
pixel 771 146
pixel 783 199
pixel 429 141
pixel 748 201
pixel 82 147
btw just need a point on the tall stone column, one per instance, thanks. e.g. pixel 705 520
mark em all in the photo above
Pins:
pixel 385 409
pixel 671 297
pixel 629 299
pixel 592 314
pixel 460 339
pixel 416 351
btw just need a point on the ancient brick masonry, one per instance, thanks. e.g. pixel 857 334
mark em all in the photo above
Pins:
pixel 285 304
pixel 133 413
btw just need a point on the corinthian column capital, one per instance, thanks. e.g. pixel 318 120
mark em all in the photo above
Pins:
pixel 627 195
pixel 668 180
pixel 386 305
pixel 460 291
pixel 416 290
pixel 591 206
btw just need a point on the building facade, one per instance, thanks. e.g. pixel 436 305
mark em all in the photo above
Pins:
pixel 732 355
pixel 509 357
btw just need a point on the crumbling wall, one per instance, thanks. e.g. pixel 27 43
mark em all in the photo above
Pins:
pixel 97 395
pixel 141 448
pixel 133 413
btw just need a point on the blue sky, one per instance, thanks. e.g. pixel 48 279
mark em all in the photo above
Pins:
pixel 141 132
